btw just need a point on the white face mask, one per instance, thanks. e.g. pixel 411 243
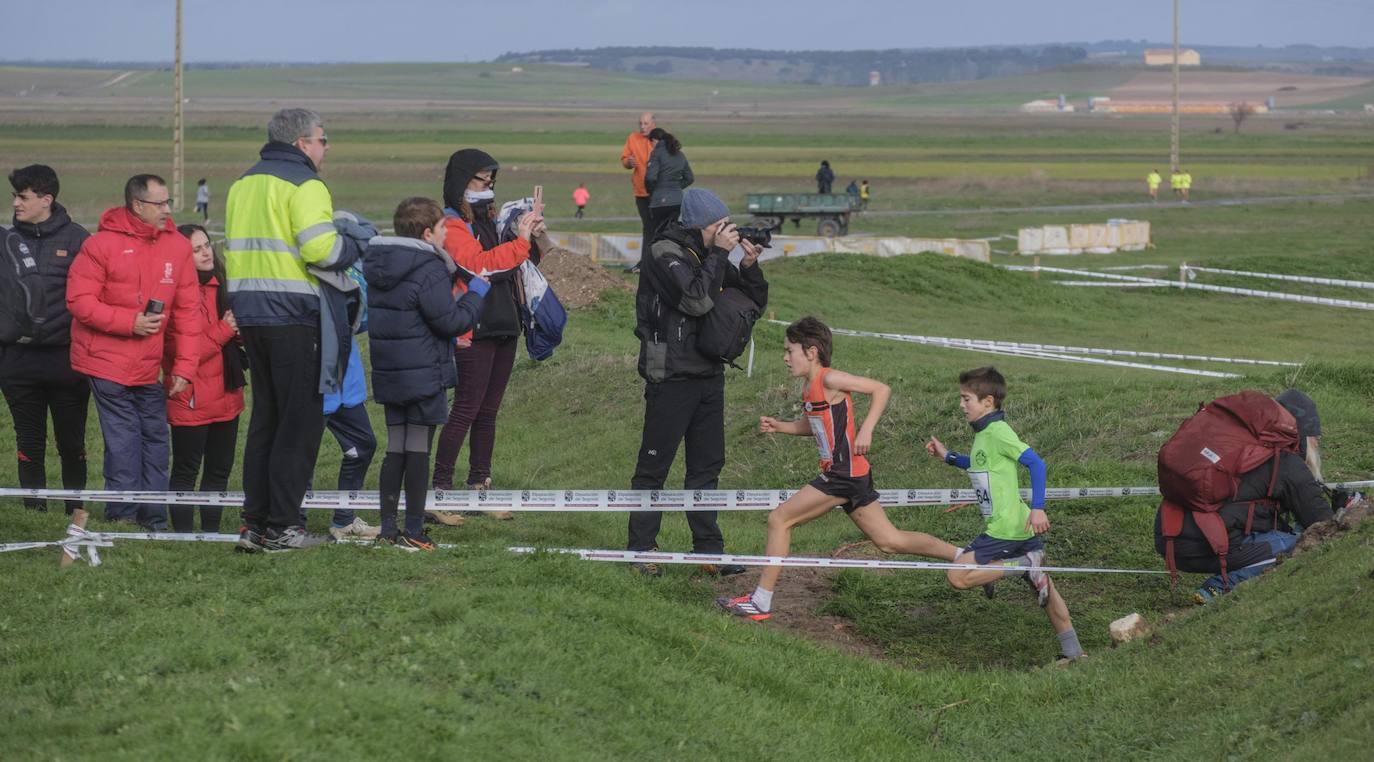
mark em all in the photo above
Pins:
pixel 474 197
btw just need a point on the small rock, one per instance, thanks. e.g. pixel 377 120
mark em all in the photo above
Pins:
pixel 1128 628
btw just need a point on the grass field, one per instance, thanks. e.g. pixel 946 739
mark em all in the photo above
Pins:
pixel 175 651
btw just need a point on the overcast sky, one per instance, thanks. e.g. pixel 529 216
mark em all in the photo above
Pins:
pixel 452 30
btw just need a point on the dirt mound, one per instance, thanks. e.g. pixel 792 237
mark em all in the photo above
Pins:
pixel 1316 534
pixel 578 280
pixel 803 593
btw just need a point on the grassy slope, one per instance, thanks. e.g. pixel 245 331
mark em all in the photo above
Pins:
pixel 168 648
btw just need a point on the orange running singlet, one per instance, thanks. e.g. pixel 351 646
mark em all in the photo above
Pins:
pixel 833 427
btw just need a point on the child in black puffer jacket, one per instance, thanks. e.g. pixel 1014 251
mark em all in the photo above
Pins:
pixel 413 318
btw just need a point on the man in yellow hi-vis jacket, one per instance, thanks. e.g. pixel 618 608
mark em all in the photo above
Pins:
pixel 279 225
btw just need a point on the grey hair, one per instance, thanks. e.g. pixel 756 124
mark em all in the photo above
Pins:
pixel 290 124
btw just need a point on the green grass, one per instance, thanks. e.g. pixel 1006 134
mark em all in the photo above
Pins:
pixel 174 651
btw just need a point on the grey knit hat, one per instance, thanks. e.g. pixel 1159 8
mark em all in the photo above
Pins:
pixel 701 208
pixel 1304 410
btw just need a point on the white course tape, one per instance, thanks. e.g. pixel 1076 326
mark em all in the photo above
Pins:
pixel 1346 303
pixel 570 501
pixel 1059 348
pixel 657 557
pixel 1276 276
pixel 578 501
pixel 1107 284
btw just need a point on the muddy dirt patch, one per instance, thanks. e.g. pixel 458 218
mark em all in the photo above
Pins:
pixel 578 280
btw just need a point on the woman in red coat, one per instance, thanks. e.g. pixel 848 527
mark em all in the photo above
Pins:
pixel 205 417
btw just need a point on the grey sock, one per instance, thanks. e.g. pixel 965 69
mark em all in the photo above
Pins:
pixel 1018 561
pixel 1068 644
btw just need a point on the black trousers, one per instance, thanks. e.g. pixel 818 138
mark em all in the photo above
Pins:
pixel 213 445
pixel 286 424
pixel 690 411
pixel 646 220
pixel 30 403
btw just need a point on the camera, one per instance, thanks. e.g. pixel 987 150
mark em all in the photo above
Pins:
pixel 760 237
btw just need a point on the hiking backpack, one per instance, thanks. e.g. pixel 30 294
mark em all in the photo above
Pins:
pixel 1201 465
pixel 23 300
pixel 724 331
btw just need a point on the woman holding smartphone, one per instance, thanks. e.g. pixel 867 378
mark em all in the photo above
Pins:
pixel 486 355
pixel 205 416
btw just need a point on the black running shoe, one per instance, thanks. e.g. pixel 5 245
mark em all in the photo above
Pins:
pixel 415 542
pixel 290 538
pixel 250 541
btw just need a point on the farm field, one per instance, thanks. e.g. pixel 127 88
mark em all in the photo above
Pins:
pixel 175 651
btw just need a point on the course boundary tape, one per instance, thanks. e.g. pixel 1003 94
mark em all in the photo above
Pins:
pixel 1312 279
pixel 591 501
pixel 1300 298
pixel 802 562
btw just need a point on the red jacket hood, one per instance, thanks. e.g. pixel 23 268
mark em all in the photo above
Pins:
pixel 118 219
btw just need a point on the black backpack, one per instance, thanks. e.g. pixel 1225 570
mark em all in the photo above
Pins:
pixel 22 297
pixel 724 332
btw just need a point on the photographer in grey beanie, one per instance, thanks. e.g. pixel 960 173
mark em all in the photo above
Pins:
pixel 684 390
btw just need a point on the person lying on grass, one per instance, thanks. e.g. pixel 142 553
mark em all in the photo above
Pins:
pixel 1013 529
pixel 846 479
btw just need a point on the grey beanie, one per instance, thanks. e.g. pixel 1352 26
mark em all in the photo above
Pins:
pixel 701 208
pixel 1304 410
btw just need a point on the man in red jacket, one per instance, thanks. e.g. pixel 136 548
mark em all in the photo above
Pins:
pixel 131 275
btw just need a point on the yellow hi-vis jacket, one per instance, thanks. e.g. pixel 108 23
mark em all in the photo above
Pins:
pixel 279 220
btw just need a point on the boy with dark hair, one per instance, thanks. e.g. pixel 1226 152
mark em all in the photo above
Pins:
pixel 846 479
pixel 36 376
pixel 1013 529
pixel 203 199
pixel 413 319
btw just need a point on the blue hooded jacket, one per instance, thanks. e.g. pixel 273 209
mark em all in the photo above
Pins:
pixel 413 318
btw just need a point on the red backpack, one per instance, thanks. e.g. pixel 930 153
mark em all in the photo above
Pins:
pixel 1201 465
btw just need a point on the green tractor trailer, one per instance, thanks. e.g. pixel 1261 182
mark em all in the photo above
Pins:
pixel 830 210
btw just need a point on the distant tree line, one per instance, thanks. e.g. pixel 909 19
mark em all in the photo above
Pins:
pixel 828 67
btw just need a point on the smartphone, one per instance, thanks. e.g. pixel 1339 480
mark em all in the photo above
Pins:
pixel 539 200
pixel 154 307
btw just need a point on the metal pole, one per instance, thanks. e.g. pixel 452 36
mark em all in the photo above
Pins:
pixel 1173 127
pixel 178 141
pixel 750 372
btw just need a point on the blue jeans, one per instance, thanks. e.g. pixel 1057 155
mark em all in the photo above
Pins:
pixel 133 422
pixel 1279 542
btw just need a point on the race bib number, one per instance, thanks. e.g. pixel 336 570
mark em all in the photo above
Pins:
pixel 982 488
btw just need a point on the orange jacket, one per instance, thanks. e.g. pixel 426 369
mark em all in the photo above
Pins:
pixel 206 400
pixel 467 251
pixel 639 147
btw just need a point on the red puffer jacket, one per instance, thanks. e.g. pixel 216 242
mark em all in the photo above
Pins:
pixel 205 401
pixel 123 266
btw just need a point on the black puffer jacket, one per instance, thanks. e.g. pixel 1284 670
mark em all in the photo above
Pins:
pixel 412 318
pixel 1297 493
pixel 54 243
pixel 676 284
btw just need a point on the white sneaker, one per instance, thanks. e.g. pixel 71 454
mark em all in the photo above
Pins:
pixel 359 529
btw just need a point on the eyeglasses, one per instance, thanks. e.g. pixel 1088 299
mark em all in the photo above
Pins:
pixel 165 203
pixel 489 180
pixel 324 139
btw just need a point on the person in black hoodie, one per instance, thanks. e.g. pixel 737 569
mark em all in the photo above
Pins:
pixel 412 319
pixel 37 377
pixel 485 358
pixel 684 390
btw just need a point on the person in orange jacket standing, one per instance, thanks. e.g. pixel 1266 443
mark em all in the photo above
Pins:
pixel 635 157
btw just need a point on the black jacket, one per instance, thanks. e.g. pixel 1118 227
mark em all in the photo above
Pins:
pixel 412 318
pixel 666 176
pixel 676 284
pixel 54 242
pixel 1297 492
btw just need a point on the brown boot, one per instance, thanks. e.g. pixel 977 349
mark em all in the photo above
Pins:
pixel 483 486
pixel 447 518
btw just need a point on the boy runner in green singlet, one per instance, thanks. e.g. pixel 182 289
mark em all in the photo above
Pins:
pixel 1013 529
